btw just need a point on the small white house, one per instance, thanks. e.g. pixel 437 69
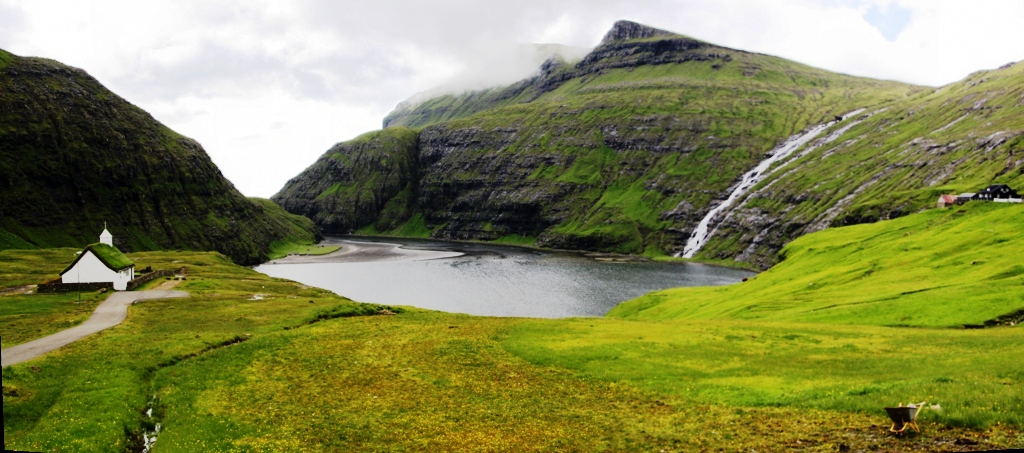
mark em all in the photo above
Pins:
pixel 101 263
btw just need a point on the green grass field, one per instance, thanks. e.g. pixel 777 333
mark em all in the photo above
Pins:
pixel 306 370
pixel 939 268
pixel 283 250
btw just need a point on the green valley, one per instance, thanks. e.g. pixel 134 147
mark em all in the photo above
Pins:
pixel 302 369
pixel 869 296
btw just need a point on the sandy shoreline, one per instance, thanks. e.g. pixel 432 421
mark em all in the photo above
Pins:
pixel 358 252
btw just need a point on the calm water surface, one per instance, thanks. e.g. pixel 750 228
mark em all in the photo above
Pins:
pixel 487 280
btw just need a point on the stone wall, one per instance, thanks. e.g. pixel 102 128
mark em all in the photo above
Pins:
pixel 138 281
pixel 55 286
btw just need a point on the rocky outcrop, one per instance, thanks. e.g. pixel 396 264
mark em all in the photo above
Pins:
pixel 73 155
pixel 625 30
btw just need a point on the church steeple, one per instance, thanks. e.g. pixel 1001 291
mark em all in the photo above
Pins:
pixel 106 237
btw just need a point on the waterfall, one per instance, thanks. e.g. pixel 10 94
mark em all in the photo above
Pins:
pixel 700 235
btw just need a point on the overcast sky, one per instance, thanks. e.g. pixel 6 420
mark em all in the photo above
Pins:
pixel 267 86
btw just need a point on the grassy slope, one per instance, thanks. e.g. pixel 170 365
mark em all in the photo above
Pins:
pixel 958 138
pixel 446 107
pixel 974 375
pixel 299 233
pixel 24 268
pixel 86 402
pixel 368 180
pixel 435 381
pixel 943 267
pixel 27 317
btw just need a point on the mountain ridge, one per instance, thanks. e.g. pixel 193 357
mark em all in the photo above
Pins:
pixel 626 30
pixel 74 155
pixel 624 151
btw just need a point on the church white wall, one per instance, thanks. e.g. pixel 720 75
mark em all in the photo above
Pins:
pixel 90 269
pixel 123 277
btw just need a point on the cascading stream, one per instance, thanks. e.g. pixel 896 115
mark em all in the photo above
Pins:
pixel 701 234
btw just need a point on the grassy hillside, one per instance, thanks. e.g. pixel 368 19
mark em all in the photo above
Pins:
pixel 895 160
pixel 943 267
pixel 974 376
pixel 300 234
pixel 73 155
pixel 306 370
pixel 368 180
pixel 624 151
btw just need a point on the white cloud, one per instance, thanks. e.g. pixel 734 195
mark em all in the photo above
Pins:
pixel 267 86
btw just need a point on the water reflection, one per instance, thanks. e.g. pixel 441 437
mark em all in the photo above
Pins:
pixel 482 279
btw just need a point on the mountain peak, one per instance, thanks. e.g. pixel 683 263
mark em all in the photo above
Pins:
pixel 625 30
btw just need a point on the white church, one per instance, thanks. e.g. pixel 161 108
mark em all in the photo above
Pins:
pixel 101 263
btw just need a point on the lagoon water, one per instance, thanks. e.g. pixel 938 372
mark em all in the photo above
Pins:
pixel 483 279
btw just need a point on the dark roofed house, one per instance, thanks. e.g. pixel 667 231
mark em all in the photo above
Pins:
pixel 997 192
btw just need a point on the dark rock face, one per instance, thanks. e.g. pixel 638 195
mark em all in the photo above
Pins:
pixel 73 155
pixel 357 182
pixel 625 30
pixel 473 190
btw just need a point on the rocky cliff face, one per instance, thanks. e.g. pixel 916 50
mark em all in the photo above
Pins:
pixel 372 179
pixel 625 30
pixel 887 162
pixel 624 151
pixel 73 155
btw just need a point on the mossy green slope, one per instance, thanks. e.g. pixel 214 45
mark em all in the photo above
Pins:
pixel 448 106
pixel 894 160
pixel 73 155
pixel 368 180
pixel 944 267
pixel 624 151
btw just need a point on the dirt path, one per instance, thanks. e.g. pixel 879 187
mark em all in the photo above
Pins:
pixel 108 314
pixel 23 289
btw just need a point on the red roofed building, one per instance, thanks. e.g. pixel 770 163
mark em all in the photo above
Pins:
pixel 946 201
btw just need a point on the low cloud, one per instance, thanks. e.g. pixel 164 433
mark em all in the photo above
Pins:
pixel 12 21
pixel 267 86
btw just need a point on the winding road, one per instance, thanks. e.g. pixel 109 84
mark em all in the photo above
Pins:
pixel 108 314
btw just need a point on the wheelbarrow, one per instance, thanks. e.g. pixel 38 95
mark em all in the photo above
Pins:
pixel 904 417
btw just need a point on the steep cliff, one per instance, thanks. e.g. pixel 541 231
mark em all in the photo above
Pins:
pixel 74 155
pixel 624 151
pixel 888 162
pixel 369 180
